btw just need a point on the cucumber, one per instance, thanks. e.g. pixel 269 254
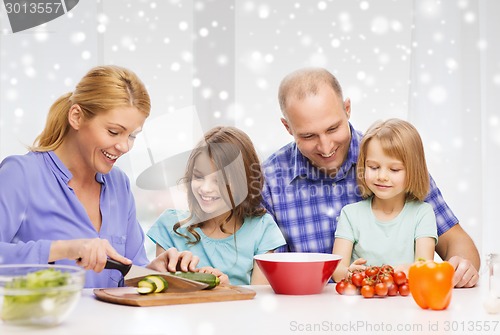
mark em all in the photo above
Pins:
pixel 146 286
pixel 152 284
pixel 144 290
pixel 206 278
pixel 161 283
pixel 158 284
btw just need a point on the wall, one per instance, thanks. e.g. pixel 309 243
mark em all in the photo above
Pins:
pixel 433 63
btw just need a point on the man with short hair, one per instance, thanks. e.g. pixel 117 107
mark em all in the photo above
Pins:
pixel 308 181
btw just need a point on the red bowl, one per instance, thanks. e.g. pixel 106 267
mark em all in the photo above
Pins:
pixel 297 273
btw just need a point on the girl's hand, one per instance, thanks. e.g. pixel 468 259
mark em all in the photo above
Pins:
pixel 358 265
pixel 172 260
pixel 224 279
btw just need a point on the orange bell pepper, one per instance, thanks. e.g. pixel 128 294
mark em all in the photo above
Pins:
pixel 431 284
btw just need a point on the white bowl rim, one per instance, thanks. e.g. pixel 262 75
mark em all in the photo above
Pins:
pixel 71 270
pixel 74 268
pixel 297 257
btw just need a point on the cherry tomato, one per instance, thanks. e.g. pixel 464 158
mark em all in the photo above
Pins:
pixel 387 269
pixel 404 290
pixel 357 278
pixel 350 289
pixel 380 281
pixel 399 277
pixel 367 291
pixel 392 290
pixel 340 287
pixel 381 289
pixel 372 271
pixel 367 281
pixel 386 278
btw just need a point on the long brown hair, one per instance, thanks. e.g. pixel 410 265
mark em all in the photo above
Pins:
pixel 235 159
pixel 103 88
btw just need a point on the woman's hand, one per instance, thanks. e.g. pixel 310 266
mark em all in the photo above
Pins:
pixel 224 279
pixel 172 260
pixel 90 254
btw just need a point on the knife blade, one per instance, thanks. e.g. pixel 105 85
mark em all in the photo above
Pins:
pixel 132 274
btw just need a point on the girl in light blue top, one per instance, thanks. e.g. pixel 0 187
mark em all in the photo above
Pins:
pixel 392 225
pixel 225 225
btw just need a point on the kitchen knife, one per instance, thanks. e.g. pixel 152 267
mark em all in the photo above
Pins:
pixel 132 274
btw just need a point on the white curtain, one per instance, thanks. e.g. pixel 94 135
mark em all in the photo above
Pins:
pixel 434 63
pixel 454 94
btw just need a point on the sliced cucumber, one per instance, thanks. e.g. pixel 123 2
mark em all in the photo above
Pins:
pixel 152 284
pixel 146 286
pixel 161 283
pixel 144 290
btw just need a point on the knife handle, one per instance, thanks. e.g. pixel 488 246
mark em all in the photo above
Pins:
pixel 115 265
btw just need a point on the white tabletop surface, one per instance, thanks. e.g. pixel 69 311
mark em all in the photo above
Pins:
pixel 268 313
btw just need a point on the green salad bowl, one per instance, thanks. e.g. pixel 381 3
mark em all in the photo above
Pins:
pixel 39 295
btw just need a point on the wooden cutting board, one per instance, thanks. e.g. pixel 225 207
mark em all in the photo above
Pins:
pixel 129 296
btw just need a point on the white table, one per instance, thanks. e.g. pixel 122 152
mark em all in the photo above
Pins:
pixel 268 313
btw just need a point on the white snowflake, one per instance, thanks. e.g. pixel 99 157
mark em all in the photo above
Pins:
pixel 438 94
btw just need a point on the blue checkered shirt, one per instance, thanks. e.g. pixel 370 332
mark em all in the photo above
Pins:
pixel 306 203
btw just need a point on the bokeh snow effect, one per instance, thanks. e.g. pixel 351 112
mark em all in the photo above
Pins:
pixel 434 63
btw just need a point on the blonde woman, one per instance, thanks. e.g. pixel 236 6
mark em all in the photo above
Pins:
pixel 64 201
pixel 392 225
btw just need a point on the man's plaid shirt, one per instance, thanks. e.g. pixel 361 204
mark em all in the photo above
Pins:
pixel 306 203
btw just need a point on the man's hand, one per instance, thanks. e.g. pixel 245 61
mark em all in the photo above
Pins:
pixel 466 274
pixel 456 246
